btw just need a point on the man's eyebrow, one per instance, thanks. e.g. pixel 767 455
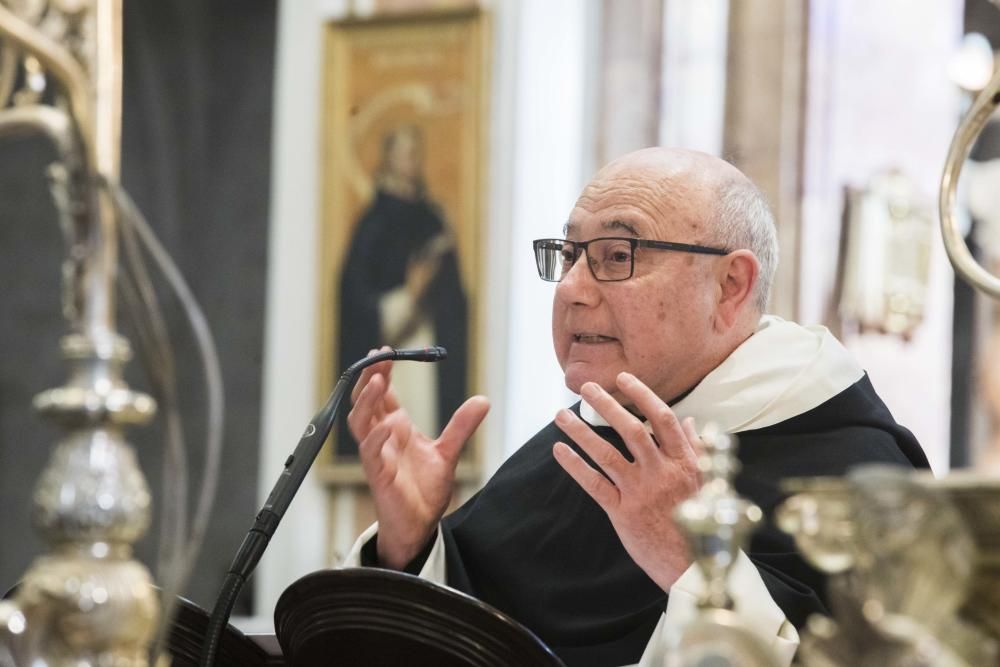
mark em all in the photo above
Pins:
pixel 621 225
pixel 611 225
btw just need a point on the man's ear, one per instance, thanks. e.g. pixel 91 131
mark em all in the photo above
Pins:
pixel 737 275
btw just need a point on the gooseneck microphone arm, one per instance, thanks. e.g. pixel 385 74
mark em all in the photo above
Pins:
pixel 296 467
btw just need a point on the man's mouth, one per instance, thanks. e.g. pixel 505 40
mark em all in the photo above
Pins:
pixel 590 338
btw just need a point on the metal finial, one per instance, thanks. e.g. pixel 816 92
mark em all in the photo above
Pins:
pixel 716 520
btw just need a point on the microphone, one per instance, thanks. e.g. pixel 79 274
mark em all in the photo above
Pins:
pixel 294 472
pixel 436 353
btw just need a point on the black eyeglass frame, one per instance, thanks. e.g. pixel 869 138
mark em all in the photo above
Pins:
pixel 580 248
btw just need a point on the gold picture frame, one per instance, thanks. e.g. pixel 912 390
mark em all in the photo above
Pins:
pixel 402 215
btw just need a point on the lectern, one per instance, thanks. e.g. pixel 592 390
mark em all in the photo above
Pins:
pixel 368 617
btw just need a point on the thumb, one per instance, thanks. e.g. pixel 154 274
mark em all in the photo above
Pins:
pixel 462 425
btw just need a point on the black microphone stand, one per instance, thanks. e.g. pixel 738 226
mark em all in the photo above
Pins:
pixel 296 467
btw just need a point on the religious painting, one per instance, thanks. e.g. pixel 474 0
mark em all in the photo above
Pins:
pixel 402 211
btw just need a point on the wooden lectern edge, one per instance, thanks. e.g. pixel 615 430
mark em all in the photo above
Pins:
pixel 267 643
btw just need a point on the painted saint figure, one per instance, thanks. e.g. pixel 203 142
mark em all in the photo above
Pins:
pixel 400 286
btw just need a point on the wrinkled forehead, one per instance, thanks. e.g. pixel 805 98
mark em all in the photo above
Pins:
pixel 657 206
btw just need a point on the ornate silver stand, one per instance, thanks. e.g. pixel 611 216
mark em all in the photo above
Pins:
pixel 717 523
pixel 905 564
pixel 85 602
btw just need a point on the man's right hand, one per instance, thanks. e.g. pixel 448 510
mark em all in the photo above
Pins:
pixel 410 475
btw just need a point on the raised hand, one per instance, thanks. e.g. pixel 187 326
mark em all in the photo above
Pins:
pixel 641 496
pixel 411 476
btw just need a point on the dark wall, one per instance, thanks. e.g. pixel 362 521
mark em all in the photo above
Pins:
pixel 196 159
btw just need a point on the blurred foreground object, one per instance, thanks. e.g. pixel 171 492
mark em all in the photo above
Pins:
pixel 717 523
pixel 912 567
pixel 86 602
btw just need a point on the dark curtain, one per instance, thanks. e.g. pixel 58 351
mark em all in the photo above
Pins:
pixel 198 79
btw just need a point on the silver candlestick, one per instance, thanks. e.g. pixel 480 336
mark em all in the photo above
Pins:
pixel 86 602
pixel 717 523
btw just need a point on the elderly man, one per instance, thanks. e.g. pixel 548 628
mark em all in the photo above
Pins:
pixel 658 324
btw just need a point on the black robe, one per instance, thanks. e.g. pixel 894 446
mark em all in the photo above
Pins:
pixel 534 545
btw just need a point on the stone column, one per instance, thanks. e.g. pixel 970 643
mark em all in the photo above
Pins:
pixel 631 46
pixel 765 110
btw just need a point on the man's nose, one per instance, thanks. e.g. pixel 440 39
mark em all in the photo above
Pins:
pixel 578 285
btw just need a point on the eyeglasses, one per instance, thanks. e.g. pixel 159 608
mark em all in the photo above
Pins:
pixel 609 258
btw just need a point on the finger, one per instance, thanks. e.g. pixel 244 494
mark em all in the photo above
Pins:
pixel 592 482
pixel 370 453
pixel 389 457
pixel 666 427
pixel 401 426
pixel 363 380
pixel 381 368
pixel 390 401
pixel 366 411
pixel 629 427
pixel 461 426
pixel 600 451
pixel 694 439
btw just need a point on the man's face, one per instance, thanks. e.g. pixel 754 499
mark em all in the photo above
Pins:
pixel 658 324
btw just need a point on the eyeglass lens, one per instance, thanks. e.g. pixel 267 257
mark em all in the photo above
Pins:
pixel 609 259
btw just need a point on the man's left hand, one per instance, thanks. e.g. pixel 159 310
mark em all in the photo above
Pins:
pixel 641 495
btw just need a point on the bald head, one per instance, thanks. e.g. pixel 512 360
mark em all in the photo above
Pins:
pixel 665 163
pixel 721 206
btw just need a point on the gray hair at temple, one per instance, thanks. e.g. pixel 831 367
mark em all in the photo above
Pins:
pixel 744 220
